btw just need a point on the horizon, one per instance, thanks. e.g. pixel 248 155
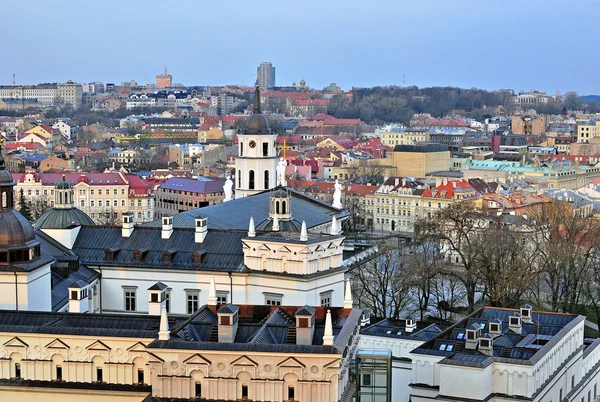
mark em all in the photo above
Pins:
pixel 491 46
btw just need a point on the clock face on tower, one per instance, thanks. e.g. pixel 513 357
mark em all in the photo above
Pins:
pixel 252 144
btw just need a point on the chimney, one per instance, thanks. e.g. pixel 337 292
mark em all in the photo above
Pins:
pixel 201 230
pixel 305 325
pixel 486 344
pixel 526 310
pixel 409 324
pixel 303 232
pixel 514 323
pixel 127 228
pixel 167 227
pixel 78 297
pixel 348 296
pixel 275 223
pixel 251 231
pixel 495 327
pixel 472 336
pixel 328 335
pixel 212 295
pixel 156 298
pixel 164 334
pixel 228 323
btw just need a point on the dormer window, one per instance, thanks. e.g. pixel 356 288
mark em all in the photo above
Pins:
pixel 495 327
pixel 484 343
pixel 139 254
pixel 515 320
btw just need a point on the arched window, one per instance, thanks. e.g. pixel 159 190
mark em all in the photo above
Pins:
pixel 60 198
pixel 4 200
pixel 251 180
pixel 266 179
pixel 283 207
pixel 277 207
pixel 239 179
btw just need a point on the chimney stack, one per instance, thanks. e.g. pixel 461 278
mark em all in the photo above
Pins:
pixel 486 344
pixel 227 323
pixel 514 323
pixel 127 228
pixel 78 297
pixel 167 227
pixel 156 298
pixel 526 310
pixel 201 230
pixel 305 325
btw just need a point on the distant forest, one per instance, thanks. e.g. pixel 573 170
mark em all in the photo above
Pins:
pixel 378 105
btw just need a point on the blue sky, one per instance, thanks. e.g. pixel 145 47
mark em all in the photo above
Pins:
pixel 547 45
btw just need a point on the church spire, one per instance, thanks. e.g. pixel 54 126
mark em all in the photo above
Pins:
pixel 257 101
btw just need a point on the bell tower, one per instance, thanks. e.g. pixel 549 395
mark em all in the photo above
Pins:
pixel 256 163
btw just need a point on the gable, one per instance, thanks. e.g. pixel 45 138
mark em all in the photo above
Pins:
pixel 291 362
pixel 332 364
pixel 57 344
pixel 16 342
pixel 98 345
pixel 137 347
pixel 244 361
pixel 197 359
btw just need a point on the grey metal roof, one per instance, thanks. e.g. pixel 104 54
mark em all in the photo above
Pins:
pixel 129 326
pixel 236 214
pixel 62 218
pixel 193 185
pixel 306 310
pixel 390 328
pixel 223 248
pixel 158 286
pixel 228 309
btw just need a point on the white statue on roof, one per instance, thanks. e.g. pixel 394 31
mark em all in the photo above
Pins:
pixel 227 188
pixel 281 166
pixel 337 195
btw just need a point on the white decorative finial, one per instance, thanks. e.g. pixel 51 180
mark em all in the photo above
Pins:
pixel 251 231
pixel 303 232
pixel 348 296
pixel 333 229
pixel 337 195
pixel 212 292
pixel 328 336
pixel 164 334
pixel 275 223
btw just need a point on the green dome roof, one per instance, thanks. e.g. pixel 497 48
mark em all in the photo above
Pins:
pixel 62 219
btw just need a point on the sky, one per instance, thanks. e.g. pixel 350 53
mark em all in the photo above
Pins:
pixel 546 45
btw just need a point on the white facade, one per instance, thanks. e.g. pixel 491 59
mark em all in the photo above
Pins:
pixel 26 291
pixel 256 164
pixel 64 129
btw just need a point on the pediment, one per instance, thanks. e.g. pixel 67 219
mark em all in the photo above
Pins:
pixel 57 344
pixel 137 347
pixel 16 342
pixel 98 345
pixel 291 362
pixel 284 249
pixel 319 248
pixel 155 359
pixel 244 361
pixel 332 364
pixel 245 246
pixel 197 359
pixel 305 250
pixel 331 245
pixel 264 247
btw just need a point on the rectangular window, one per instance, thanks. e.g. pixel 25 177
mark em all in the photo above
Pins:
pixel 192 302
pixel 74 295
pixel 168 300
pixel 291 393
pixel 99 374
pixel 273 299
pixel 265 149
pixel 326 299
pixel 222 297
pixel 244 391
pixel 129 299
pixel 198 390
pixel 59 373
pixel 303 322
pixel 17 370
pixel 140 378
pixel 154 297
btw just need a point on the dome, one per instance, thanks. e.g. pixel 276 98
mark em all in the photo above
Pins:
pixel 257 124
pixel 62 219
pixel 63 184
pixel 15 230
pixel 6 178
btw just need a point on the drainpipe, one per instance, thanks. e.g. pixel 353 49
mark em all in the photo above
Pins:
pixel 230 287
pixel 16 293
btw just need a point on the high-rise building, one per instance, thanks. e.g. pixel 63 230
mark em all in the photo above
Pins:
pixel 164 80
pixel 266 75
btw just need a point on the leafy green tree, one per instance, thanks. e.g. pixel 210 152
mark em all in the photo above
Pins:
pixel 24 206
